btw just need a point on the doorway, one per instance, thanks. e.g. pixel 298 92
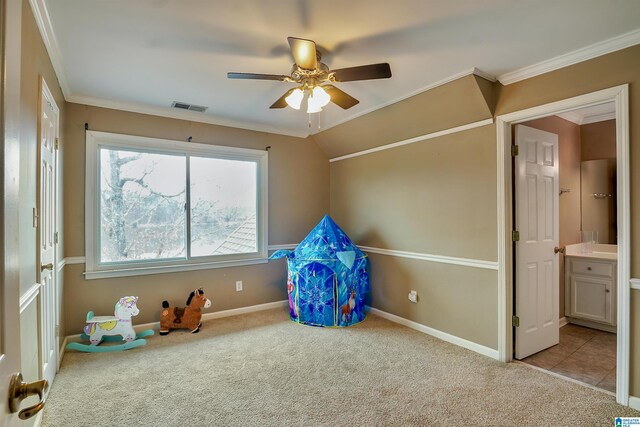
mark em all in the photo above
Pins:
pixel 579 323
pixel 619 96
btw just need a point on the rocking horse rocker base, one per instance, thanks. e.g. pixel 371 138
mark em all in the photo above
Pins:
pixel 88 348
pixel 101 329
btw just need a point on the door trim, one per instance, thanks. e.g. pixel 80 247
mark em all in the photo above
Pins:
pixel 620 95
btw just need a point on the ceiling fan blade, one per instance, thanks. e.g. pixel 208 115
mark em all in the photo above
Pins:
pixel 281 102
pixel 339 97
pixel 253 76
pixel 304 53
pixel 362 72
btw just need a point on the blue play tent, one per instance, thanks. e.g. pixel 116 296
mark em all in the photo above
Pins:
pixel 327 279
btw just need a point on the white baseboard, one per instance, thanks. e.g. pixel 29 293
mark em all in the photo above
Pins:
pixel 244 310
pixel 634 402
pixel 563 322
pixel 61 352
pixel 205 316
pixel 478 348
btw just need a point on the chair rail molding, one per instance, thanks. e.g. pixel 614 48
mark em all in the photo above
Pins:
pixel 29 296
pixel 467 262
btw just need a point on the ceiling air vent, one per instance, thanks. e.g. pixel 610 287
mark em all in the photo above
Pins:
pixel 190 107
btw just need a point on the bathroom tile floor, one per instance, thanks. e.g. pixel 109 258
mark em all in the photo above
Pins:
pixel 584 354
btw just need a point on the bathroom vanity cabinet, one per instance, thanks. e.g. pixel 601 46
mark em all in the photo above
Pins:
pixel 591 289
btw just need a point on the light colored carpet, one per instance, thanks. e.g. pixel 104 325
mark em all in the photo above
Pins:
pixel 261 369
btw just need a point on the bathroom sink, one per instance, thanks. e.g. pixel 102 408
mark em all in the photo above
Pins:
pixel 598 251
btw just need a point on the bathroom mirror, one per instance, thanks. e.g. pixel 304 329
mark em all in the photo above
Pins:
pixel 598 199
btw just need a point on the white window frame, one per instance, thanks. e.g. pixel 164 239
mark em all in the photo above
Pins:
pixel 96 140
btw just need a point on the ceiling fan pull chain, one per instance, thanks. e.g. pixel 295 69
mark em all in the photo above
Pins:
pixel 309 120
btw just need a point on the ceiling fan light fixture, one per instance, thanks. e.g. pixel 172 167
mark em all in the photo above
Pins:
pixel 309 73
pixel 314 105
pixel 321 96
pixel 313 108
pixel 295 99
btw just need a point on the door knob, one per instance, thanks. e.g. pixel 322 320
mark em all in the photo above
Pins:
pixel 19 390
pixel 44 267
pixel 560 250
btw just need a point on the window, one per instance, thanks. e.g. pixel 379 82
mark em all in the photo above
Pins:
pixel 156 206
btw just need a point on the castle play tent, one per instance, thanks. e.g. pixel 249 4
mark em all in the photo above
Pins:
pixel 327 279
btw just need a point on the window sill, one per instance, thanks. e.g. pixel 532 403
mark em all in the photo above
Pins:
pixel 156 269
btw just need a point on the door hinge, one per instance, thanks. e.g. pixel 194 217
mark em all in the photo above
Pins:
pixel 57 330
pixel 55 237
pixel 515 236
pixel 514 150
pixel 35 217
pixel 56 144
pixel 515 321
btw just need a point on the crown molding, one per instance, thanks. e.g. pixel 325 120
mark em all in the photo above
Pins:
pixel 203 118
pixel 572 117
pixel 50 42
pixel 46 31
pixel 478 72
pixel 589 52
pixel 599 118
pixel 43 22
pixel 472 71
pixel 585 120
pixel 191 116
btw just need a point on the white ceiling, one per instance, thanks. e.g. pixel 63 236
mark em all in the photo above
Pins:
pixel 142 55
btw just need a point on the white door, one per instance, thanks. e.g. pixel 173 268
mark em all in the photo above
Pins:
pixel 9 172
pixel 48 128
pixel 537 219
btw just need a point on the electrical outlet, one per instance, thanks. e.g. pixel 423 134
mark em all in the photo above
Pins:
pixel 238 285
pixel 413 297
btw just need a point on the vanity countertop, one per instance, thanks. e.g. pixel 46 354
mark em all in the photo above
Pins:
pixel 599 251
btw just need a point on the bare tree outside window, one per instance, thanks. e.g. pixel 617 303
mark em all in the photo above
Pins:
pixel 143 206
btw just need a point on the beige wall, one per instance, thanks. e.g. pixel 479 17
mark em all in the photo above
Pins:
pixel 454 299
pixel 433 197
pixel 410 187
pixel 457 103
pixel 35 63
pixel 598 140
pixel 298 198
pixel 569 177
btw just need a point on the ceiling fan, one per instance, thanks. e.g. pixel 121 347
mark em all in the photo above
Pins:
pixel 315 78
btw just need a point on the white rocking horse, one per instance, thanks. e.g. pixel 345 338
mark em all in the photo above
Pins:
pixel 105 328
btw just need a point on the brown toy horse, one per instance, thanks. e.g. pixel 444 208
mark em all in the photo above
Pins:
pixel 184 317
